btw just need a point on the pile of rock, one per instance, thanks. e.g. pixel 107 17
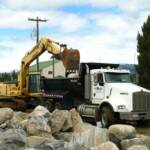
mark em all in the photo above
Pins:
pixel 126 138
pixel 63 130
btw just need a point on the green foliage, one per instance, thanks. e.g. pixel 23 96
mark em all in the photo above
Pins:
pixel 143 47
pixel 11 76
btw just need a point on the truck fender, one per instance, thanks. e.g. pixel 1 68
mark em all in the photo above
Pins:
pixel 106 114
pixel 98 111
pixel 105 104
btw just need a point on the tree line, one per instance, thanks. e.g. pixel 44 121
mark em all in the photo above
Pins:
pixel 9 76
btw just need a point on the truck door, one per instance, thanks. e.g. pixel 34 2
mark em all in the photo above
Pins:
pixel 98 87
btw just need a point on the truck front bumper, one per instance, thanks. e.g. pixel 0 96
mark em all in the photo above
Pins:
pixel 135 116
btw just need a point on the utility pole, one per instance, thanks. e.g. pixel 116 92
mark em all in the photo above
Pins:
pixel 37 20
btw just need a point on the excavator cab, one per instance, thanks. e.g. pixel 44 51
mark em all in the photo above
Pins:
pixel 33 82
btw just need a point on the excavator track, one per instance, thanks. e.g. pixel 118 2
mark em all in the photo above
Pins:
pixel 14 103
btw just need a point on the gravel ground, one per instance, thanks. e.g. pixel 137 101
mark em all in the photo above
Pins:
pixel 143 130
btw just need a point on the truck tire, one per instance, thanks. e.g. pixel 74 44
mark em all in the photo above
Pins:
pixel 107 116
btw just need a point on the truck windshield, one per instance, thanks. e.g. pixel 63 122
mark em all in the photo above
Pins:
pixel 117 77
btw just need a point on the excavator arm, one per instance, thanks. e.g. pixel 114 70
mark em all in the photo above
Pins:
pixel 70 59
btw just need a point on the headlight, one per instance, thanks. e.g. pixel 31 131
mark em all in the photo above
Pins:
pixel 121 106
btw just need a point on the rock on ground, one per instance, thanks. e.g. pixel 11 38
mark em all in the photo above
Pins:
pixel 76 121
pixel 91 137
pixel 72 146
pixel 38 123
pixel 61 120
pixel 106 146
pixel 12 139
pixel 33 141
pixel 41 111
pixel 68 123
pixel 38 126
pixel 69 130
pixel 56 145
pixel 66 136
pixel 5 114
pixel 138 147
pixel 140 140
pixel 19 117
pixel 24 123
pixel 117 133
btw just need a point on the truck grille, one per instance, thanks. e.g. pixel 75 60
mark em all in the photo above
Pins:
pixel 141 101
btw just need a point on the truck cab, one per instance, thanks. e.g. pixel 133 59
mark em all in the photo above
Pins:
pixel 104 81
pixel 115 96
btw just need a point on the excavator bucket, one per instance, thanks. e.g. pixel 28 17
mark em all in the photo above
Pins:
pixel 71 60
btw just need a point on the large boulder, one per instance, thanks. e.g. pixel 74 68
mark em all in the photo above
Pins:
pixel 19 117
pixel 61 121
pixel 5 114
pixel 117 133
pixel 33 141
pixel 12 139
pixel 139 140
pixel 38 126
pixel 76 121
pixel 90 137
pixel 138 147
pixel 38 123
pixel 10 125
pixel 106 146
pixel 41 111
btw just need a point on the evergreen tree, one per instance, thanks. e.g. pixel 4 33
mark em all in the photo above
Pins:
pixel 9 76
pixel 143 47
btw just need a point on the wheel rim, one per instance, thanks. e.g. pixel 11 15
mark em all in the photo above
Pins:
pixel 104 119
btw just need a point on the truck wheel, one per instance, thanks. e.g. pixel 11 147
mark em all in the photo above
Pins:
pixel 107 116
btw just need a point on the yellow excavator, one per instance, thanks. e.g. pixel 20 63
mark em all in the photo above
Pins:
pixel 16 95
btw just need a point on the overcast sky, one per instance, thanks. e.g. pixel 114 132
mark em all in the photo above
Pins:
pixel 103 30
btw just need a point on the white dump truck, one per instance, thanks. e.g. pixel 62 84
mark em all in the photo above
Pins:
pixel 101 91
